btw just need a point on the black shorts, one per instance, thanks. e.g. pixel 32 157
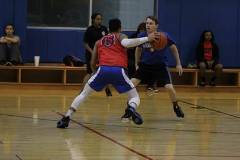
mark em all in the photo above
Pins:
pixel 88 57
pixel 207 66
pixel 154 73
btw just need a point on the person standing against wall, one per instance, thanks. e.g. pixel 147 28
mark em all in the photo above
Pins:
pixel 93 33
pixel 208 57
pixel 9 47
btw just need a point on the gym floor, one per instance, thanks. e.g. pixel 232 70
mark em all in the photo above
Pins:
pixel 28 117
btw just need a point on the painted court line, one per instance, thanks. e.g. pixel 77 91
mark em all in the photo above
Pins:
pixel 210 109
pixel 18 157
pixel 122 126
pixel 196 155
pixel 109 138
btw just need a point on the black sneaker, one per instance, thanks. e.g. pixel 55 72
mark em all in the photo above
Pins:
pixel 212 82
pixel 108 92
pixel 63 123
pixel 137 118
pixel 177 109
pixel 150 88
pixel 202 83
pixel 153 89
pixel 130 113
pixel 8 64
pixel 127 115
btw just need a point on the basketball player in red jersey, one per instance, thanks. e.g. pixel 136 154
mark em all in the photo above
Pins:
pixel 111 55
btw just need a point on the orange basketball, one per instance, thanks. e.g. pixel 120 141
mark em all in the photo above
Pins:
pixel 161 42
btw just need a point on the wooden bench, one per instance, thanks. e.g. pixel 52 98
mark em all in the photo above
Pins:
pixel 44 74
pixel 190 77
pixel 58 74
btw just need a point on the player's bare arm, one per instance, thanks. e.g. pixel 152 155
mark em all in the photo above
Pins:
pixel 94 58
pixel 3 40
pixel 88 48
pixel 138 52
pixel 175 53
pixel 12 39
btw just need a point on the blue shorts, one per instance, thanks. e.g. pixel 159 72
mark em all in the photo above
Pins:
pixel 115 76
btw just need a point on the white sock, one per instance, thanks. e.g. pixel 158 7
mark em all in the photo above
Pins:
pixel 133 98
pixel 69 113
pixel 79 100
pixel 133 105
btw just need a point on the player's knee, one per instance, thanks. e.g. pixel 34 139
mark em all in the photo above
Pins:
pixel 202 65
pixel 218 67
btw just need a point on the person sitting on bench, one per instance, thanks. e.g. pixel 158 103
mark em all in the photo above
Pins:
pixel 207 55
pixel 9 47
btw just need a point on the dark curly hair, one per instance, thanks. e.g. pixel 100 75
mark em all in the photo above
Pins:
pixel 202 38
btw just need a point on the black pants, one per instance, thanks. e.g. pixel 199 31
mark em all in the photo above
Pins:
pixel 10 53
pixel 131 68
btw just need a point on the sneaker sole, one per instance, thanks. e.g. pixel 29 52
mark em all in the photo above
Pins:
pixel 125 120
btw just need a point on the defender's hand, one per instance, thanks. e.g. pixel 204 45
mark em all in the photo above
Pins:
pixel 153 36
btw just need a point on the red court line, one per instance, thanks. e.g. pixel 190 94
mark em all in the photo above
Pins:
pixel 109 138
pixel 19 157
pixel 195 155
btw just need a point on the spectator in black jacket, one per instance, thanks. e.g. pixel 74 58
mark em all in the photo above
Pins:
pixel 93 33
pixel 208 57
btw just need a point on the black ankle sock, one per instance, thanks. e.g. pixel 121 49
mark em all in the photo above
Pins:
pixel 73 109
pixel 175 103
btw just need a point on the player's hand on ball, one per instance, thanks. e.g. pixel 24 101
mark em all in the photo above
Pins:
pixel 160 41
pixel 153 36
pixel 179 69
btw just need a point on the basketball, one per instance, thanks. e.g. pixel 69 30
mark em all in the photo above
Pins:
pixel 161 42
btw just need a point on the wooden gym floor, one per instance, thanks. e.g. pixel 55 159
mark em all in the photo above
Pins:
pixel 28 126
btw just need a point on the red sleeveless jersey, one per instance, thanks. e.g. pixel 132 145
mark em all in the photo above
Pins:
pixel 111 52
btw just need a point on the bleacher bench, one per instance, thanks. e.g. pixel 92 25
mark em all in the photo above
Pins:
pixel 55 74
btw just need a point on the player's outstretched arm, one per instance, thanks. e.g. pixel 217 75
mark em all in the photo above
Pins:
pixel 128 43
pixel 133 42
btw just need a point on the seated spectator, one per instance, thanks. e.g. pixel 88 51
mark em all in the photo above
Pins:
pixel 9 47
pixel 208 57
